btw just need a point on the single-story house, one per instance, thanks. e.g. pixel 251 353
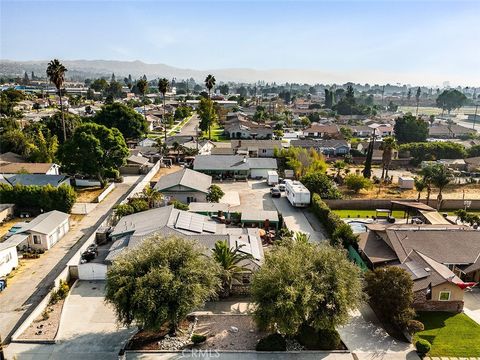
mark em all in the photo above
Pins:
pixel 256 148
pixel 30 168
pixel 439 259
pixel 441 131
pixel 361 130
pixel 8 257
pixel 234 166
pixel 11 157
pixel 322 131
pixel 133 229
pixel 136 164
pixel 326 147
pixel 382 129
pixel 37 179
pixel 186 185
pixel 248 130
pixel 6 211
pixel 260 218
pixel 46 229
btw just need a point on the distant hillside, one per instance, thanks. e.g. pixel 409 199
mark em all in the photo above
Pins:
pixel 80 69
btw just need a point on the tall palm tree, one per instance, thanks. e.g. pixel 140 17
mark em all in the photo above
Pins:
pixel 440 177
pixel 142 86
pixel 229 260
pixel 389 144
pixel 210 83
pixel 163 86
pixel 420 185
pixel 177 147
pixel 56 74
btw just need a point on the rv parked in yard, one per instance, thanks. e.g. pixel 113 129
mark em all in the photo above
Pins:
pixel 297 193
pixel 272 178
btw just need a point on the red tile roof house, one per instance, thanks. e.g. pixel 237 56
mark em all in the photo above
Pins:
pixel 441 259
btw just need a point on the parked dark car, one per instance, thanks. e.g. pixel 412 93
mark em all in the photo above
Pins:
pixel 275 192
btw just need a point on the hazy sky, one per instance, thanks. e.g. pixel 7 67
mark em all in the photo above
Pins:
pixel 434 41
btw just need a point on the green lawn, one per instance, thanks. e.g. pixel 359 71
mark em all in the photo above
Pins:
pixel 364 213
pixel 216 133
pixel 450 334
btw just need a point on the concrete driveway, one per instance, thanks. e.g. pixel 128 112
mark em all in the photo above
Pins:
pixel 88 329
pixel 365 338
pixel 298 219
pixel 472 304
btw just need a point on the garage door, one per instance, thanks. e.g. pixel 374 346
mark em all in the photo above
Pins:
pixel 259 173
pixel 91 271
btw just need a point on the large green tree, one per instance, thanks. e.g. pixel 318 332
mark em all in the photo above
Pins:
pixel 320 183
pixel 160 282
pixel 409 128
pixel 94 150
pixel 9 98
pixel 450 100
pixel 55 124
pixel 390 290
pixel 56 74
pixel 302 283
pixel 207 113
pixel 131 124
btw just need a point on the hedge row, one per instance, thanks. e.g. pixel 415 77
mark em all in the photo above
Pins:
pixel 338 230
pixel 36 198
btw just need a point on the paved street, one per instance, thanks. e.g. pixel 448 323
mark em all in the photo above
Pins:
pixel 27 288
pixel 189 127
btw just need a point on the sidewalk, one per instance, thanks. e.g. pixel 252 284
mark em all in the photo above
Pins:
pixel 27 288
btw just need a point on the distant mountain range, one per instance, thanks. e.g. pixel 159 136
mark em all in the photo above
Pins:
pixel 81 69
pixel 97 68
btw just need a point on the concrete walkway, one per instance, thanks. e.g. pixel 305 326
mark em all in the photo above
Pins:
pixel 27 288
pixel 367 340
pixel 472 304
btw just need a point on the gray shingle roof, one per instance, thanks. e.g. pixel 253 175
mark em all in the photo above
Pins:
pixel 185 177
pixel 45 223
pixel 36 179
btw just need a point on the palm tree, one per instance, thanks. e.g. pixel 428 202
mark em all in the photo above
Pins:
pixel 177 147
pixel 420 185
pixel 56 74
pixel 389 144
pixel 163 86
pixel 210 83
pixel 230 260
pixel 142 86
pixel 440 177
pixel 339 165
pixel 151 195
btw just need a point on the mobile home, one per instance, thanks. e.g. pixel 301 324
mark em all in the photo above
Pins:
pixel 297 193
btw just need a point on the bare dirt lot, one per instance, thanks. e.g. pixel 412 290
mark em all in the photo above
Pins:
pixel 166 171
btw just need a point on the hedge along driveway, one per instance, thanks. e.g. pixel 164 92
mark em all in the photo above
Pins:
pixel 450 334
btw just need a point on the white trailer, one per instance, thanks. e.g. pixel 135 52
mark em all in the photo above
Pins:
pixel 297 193
pixel 272 178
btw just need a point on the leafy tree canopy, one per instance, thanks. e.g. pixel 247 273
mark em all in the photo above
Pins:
pixel 302 283
pixel 160 281
pixel 451 99
pixel 317 182
pixel 131 124
pixel 409 128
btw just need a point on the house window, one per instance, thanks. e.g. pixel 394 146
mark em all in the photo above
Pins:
pixel 36 239
pixel 444 296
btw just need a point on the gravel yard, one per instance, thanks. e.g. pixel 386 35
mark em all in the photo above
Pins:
pixel 45 326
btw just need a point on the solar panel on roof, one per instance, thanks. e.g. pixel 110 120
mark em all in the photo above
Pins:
pixel 183 221
pixel 196 224
pixel 254 247
pixel 210 227
pixel 417 270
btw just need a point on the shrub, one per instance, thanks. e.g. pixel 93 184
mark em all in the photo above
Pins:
pixel 414 326
pixel 138 205
pixel 323 339
pixel 434 150
pixel 423 346
pixel 198 339
pixel 356 182
pixel 59 294
pixel 37 197
pixel 124 210
pixel 321 184
pixel 272 342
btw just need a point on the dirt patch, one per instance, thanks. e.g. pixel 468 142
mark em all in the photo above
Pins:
pixel 88 195
pixel 45 326
pixel 166 171
pixel 228 332
pixel 6 225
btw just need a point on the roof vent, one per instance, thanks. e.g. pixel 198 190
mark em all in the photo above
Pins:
pixel 427 269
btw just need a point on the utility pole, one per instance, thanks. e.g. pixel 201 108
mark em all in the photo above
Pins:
pixel 475 116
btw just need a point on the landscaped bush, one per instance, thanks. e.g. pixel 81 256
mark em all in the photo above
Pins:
pixel 36 197
pixel 434 150
pixel 272 342
pixel 339 231
pixel 324 339
pixel 59 294
pixel 321 184
pixel 198 339
pixel 138 205
pixel 414 326
pixel 423 346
